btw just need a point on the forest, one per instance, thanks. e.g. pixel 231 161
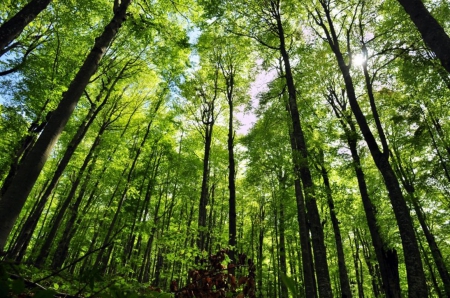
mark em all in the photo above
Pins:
pixel 225 148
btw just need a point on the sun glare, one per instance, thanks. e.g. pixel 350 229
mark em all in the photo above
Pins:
pixel 358 60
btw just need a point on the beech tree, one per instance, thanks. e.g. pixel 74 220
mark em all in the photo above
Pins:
pixel 14 197
pixel 264 148
pixel 432 32
pixel 12 28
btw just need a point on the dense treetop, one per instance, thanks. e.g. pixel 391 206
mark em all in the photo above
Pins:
pixel 125 170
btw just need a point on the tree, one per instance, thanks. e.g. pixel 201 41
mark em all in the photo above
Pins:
pixel 14 198
pixel 416 276
pixel 12 28
pixel 432 32
pixel 339 188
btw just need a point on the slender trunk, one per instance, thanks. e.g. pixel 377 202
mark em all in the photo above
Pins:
pixel 62 247
pixel 204 193
pixel 415 274
pixel 343 275
pixel 45 249
pixel 432 32
pixel 208 119
pixel 282 241
pixel 307 260
pixel 302 170
pixel 211 222
pixel 430 270
pixel 145 270
pixel 229 76
pixel 358 270
pixel 205 189
pixel 24 147
pixel 408 184
pixel 158 268
pixel 130 243
pixel 437 126
pixel 30 225
pixel 260 248
pixel 368 258
pixel 387 258
pixel 14 198
pixel 438 152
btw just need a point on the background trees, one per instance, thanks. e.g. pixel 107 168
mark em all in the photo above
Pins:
pixel 339 188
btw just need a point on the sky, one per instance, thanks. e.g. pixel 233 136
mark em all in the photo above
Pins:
pixel 248 118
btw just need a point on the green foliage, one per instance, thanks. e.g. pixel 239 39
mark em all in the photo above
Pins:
pixel 135 227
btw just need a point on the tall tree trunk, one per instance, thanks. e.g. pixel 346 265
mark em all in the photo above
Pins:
pixel 144 275
pixel 62 247
pixel 28 228
pixel 260 247
pixel 387 258
pixel 359 270
pixel 14 198
pixel 432 32
pixel 343 275
pixel 371 266
pixel 282 179
pixel 45 249
pixel 12 28
pixel 208 119
pixel 204 192
pixel 300 155
pixel 436 147
pixel 140 207
pixel 408 184
pixel 24 146
pixel 415 274
pixel 228 72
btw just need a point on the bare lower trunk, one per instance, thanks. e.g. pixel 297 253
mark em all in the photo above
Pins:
pixel 343 275
pixel 387 258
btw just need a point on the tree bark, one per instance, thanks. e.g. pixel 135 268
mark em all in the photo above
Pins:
pixel 415 274
pixel 282 235
pixel 14 198
pixel 208 119
pixel 260 247
pixel 387 258
pixel 12 28
pixel 228 72
pixel 57 220
pixel 408 184
pixel 300 154
pixel 28 228
pixel 432 32
pixel 343 275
